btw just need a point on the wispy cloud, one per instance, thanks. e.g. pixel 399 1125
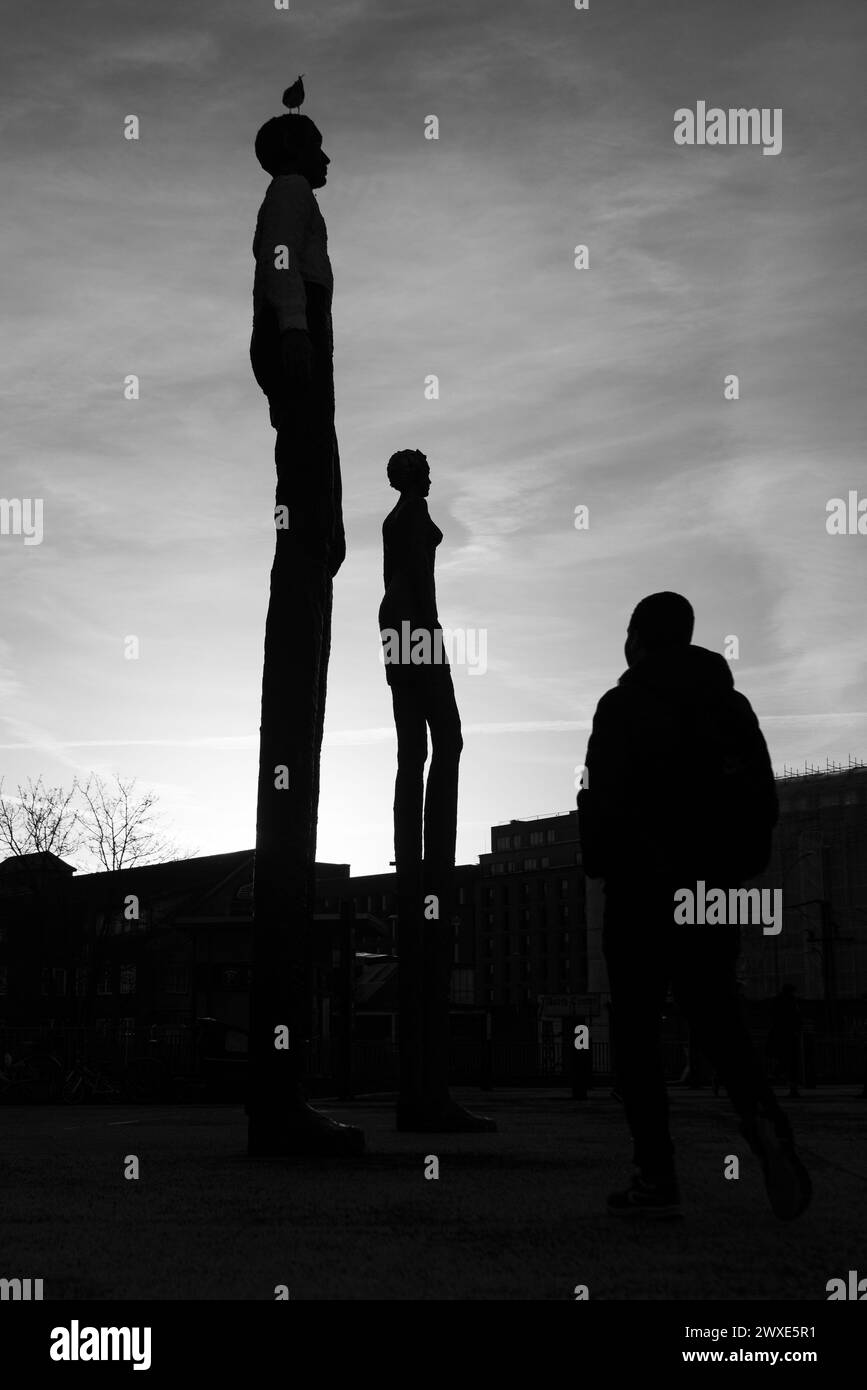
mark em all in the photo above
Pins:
pixel 557 387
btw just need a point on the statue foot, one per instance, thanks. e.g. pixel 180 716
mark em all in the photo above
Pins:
pixel 445 1118
pixel 303 1130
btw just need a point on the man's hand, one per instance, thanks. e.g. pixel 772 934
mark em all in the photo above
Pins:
pixel 297 353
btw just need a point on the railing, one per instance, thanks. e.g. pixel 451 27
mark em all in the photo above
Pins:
pixel 172 1044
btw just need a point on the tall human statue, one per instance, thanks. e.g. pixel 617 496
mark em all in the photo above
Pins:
pixel 425 819
pixel 291 352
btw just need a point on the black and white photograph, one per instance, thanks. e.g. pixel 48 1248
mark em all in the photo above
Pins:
pixel 433 675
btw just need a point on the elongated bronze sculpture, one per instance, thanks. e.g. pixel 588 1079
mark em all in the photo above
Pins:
pixel 291 352
pixel 425 819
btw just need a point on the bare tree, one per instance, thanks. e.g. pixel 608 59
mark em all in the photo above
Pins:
pixel 118 825
pixel 39 820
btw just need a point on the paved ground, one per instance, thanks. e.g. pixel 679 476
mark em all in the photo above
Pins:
pixel 516 1215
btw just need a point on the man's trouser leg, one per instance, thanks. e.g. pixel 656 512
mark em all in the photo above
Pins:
pixel 637 972
pixel 704 982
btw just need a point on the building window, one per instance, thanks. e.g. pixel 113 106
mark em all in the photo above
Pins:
pixel 551 837
pixel 103 984
pixel 516 842
pixel 564 912
pixel 127 979
pixel 58 981
pixel 545 861
pixel 233 977
pixel 81 973
pixel 537 837
pixel 525 915
pixel 502 842
pixel 45 979
pixel 531 863
pixel 4 979
pixel 176 980
pixel 564 887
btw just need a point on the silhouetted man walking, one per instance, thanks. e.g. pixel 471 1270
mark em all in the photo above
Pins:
pixel 679 789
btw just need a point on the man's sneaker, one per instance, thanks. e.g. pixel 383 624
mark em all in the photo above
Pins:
pixel 786 1179
pixel 658 1200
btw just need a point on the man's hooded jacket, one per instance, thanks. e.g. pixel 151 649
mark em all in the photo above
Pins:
pixel 678 783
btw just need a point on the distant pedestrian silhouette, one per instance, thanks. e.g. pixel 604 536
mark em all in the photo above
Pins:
pixel 679 788
pixel 425 820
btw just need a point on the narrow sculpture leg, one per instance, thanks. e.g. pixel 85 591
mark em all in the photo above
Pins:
pixel 297 645
pixel 429 1107
pixel 440 836
pixel 408 807
pixel 411 985
pixel 292 700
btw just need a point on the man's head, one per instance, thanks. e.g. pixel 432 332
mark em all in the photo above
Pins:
pixel 409 471
pixel 292 145
pixel 660 622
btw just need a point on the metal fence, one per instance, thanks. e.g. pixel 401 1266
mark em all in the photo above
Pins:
pixel 172 1045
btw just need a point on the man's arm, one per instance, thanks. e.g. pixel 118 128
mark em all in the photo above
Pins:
pixel 603 798
pixel 758 758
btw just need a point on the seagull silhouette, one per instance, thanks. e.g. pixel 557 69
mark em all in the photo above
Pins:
pixel 294 95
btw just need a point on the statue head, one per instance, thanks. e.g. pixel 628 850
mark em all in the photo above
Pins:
pixel 409 472
pixel 292 144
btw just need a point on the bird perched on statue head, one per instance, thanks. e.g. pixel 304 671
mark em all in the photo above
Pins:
pixel 291 143
pixel 293 96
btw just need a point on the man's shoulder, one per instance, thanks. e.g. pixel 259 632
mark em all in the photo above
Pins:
pixel 613 702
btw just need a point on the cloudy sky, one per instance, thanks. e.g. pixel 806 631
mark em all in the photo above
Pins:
pixel 558 387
